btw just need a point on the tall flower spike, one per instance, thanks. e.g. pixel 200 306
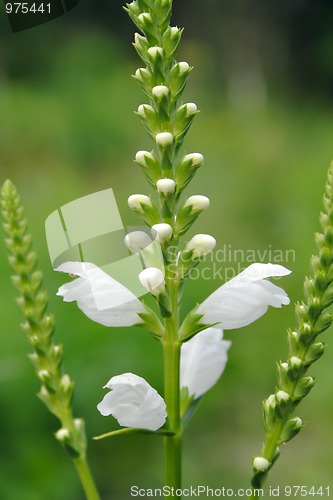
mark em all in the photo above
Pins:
pixel 304 349
pixel 133 402
pixel 57 387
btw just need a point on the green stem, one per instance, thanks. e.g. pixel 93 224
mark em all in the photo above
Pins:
pixel 86 478
pixel 171 346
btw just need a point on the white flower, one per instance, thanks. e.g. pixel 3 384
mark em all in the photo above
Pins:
pixel 160 91
pixel 141 156
pixel 138 201
pixel 261 464
pixel 136 241
pixel 201 244
pixel 155 51
pixel 198 203
pixel 202 361
pixel 162 231
pixel 244 298
pixel 183 66
pixel 190 107
pixel 164 139
pixel 133 402
pixel 144 108
pixel 196 158
pixel 100 297
pixel 166 186
pixel 153 280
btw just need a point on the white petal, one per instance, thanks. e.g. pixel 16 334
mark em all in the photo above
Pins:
pixel 202 362
pixel 245 298
pixel 133 402
pixel 99 296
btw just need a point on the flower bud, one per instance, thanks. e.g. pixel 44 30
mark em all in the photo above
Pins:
pixel 314 352
pixel 145 18
pixel 195 158
pixel 303 387
pixel 153 280
pixel 166 186
pixel 190 108
pixel 162 232
pixel 290 429
pixel 201 245
pixel 198 203
pixel 144 108
pixel 164 139
pixel 183 67
pixel 160 91
pixel 138 201
pixel 323 322
pixel 260 464
pixel 137 241
pixel 63 435
pixel 154 52
pixel 282 396
pixel 143 75
pixel 142 156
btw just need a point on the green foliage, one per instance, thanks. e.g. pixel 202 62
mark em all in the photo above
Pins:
pixel 304 349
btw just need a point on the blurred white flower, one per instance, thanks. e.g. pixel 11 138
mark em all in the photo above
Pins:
pixel 153 280
pixel 244 298
pixel 133 402
pixel 100 297
pixel 202 362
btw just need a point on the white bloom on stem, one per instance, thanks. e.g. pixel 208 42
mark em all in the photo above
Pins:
pixel 162 231
pixel 143 108
pixel 136 241
pixel 141 157
pixel 201 244
pixel 198 202
pixel 190 108
pixel 245 298
pixel 99 296
pixel 196 158
pixel 164 139
pixel 153 280
pixel 202 361
pixel 133 402
pixel 155 51
pixel 160 91
pixel 166 186
pixel 136 201
pixel 183 66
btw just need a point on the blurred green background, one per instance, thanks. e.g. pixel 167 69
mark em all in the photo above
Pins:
pixel 263 80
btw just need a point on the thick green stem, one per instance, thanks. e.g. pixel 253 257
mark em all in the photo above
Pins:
pixel 171 346
pixel 86 478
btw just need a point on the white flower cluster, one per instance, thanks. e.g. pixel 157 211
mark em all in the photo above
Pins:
pixel 237 303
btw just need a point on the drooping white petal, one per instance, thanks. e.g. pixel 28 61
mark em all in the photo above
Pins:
pixel 245 298
pixel 133 402
pixel 202 362
pixel 99 296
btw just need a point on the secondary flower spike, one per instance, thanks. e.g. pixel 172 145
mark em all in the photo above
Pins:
pixel 202 361
pixel 244 298
pixel 99 296
pixel 133 402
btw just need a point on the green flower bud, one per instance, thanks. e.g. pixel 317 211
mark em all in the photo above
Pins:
pixel 314 352
pixel 290 429
pixel 303 387
pixel 323 322
pixel 143 205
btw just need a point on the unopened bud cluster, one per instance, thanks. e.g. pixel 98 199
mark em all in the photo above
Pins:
pixel 304 347
pixel 167 121
pixel 57 388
